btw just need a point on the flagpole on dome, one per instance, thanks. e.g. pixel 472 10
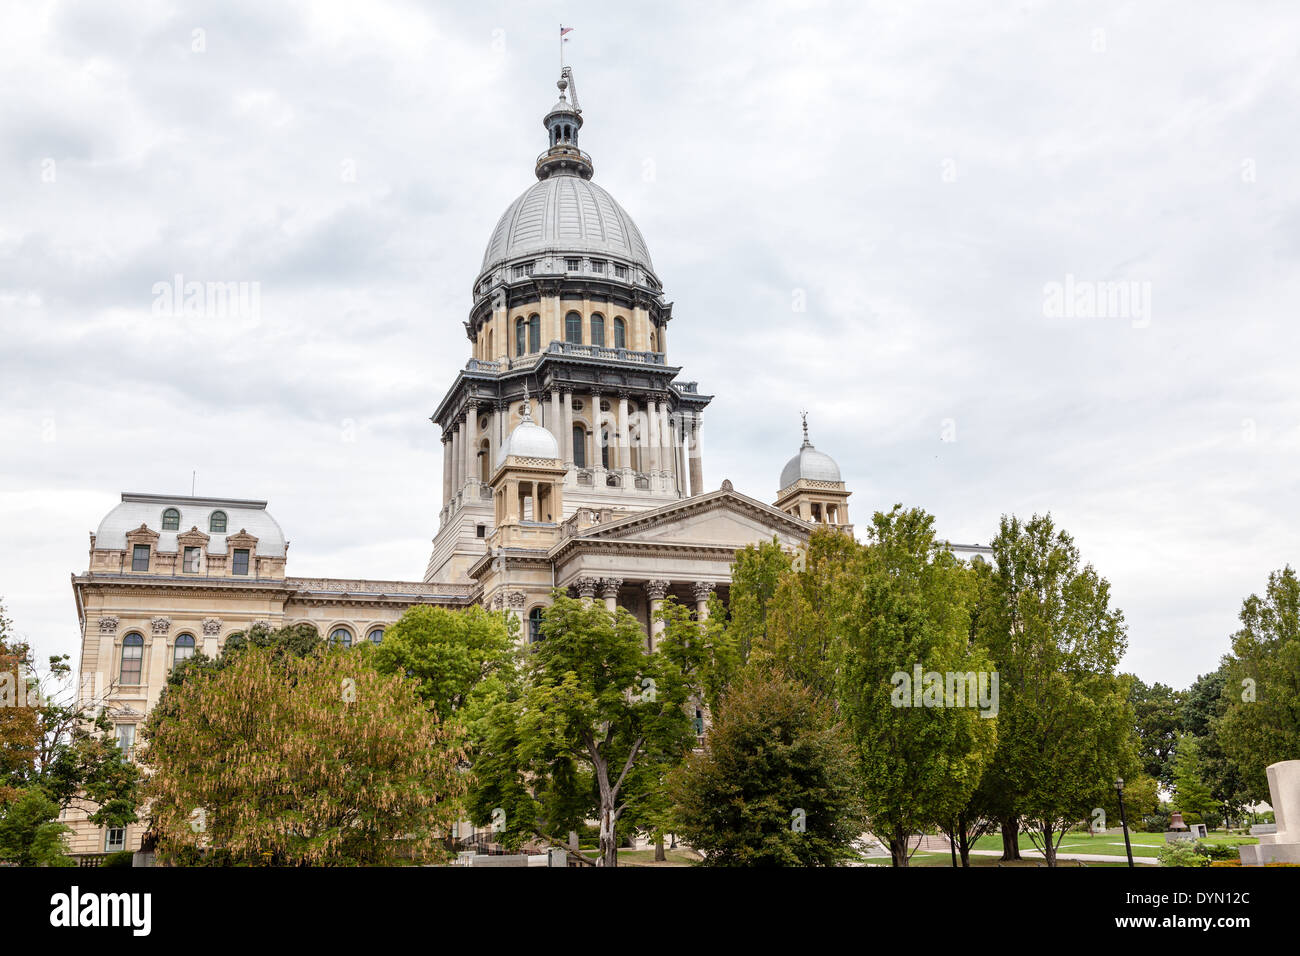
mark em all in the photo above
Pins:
pixel 563 40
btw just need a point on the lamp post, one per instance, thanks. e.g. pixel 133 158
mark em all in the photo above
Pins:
pixel 1128 848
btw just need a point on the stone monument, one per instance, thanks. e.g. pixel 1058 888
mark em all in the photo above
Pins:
pixel 1284 845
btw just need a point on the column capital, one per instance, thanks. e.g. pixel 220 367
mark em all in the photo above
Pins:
pixel 609 587
pixel 657 590
pixel 586 587
pixel 702 590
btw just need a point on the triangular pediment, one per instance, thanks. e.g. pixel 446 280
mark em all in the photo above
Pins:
pixel 726 518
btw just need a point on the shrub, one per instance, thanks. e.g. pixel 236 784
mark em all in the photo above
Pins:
pixel 1182 853
pixel 1155 823
pixel 116 860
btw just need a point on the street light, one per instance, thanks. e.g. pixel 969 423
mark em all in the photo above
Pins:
pixel 1128 848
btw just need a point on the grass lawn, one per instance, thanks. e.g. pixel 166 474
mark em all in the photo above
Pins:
pixel 945 859
pixel 647 857
pixel 1109 844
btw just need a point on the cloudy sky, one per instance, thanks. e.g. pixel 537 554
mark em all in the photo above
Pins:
pixel 874 211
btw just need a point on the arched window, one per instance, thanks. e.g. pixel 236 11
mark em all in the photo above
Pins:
pixel 579 446
pixel 184 649
pixel 597 329
pixel 376 636
pixel 534 333
pixel 171 520
pixel 521 333
pixel 489 344
pixel 341 637
pixel 217 522
pixel 620 333
pixel 573 328
pixel 132 658
pixel 534 625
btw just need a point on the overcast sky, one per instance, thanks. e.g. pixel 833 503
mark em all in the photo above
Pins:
pixel 861 209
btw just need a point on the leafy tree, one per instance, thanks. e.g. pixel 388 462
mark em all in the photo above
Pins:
pixel 756 573
pixel 1261 718
pixel 592 710
pixel 1158 716
pixel 1204 704
pixel 280 759
pixel 1191 794
pixel 775 784
pixel 1064 726
pixel 452 655
pixel 904 607
pixel 803 637
pixel 19 729
pixel 30 832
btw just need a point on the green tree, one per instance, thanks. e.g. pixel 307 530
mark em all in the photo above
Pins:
pixel 451 655
pixel 1158 718
pixel 19 728
pixel 30 832
pixel 905 618
pixel 1191 794
pixel 1261 718
pixel 775 784
pixel 313 760
pixel 592 713
pixel 1064 725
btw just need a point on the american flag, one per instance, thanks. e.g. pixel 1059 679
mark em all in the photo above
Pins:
pixel 564 30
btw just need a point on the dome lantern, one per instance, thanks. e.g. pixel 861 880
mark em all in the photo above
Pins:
pixel 811 487
pixel 563 157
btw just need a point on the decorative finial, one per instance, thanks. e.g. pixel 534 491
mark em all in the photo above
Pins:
pixel 526 414
pixel 804 415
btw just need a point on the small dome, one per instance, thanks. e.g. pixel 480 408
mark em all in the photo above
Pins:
pixel 529 440
pixel 809 463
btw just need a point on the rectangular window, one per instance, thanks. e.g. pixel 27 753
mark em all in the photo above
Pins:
pixel 126 738
pixel 115 840
pixel 620 272
pixel 573 265
pixel 240 563
pixel 192 560
pixel 519 271
pixel 140 558
pixel 482 531
pixel 597 267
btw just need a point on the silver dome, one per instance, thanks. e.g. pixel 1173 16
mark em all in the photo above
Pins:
pixel 812 464
pixel 566 214
pixel 529 440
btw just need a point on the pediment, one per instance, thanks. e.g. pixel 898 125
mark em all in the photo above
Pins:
pixel 722 518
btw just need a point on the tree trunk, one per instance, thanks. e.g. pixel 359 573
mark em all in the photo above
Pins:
pixel 898 848
pixel 660 856
pixel 1049 846
pixel 608 844
pixel 1010 838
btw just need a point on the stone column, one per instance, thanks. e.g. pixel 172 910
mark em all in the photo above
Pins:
pixel 702 590
pixel 624 449
pixel 656 591
pixel 609 591
pixel 471 446
pixel 665 441
pixel 598 429
pixel 566 424
pixel 652 441
pixel 586 588
pixel 697 462
pixel 556 422
pixel 446 468
pixel 457 458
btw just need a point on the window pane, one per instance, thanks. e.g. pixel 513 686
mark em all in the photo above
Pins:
pixel 342 636
pixel 597 330
pixel 140 558
pixel 534 334
pixel 132 658
pixel 377 636
pixel 579 446
pixel 573 328
pixel 217 523
pixel 520 342
pixel 115 839
pixel 184 648
pixel 240 565
pixel 192 556
pixel 620 334
pixel 125 737
pixel 171 520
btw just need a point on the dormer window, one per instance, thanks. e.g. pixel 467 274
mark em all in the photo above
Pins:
pixel 171 520
pixel 239 561
pixel 217 522
pixel 140 557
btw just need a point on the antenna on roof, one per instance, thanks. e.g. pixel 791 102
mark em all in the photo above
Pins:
pixel 194 477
